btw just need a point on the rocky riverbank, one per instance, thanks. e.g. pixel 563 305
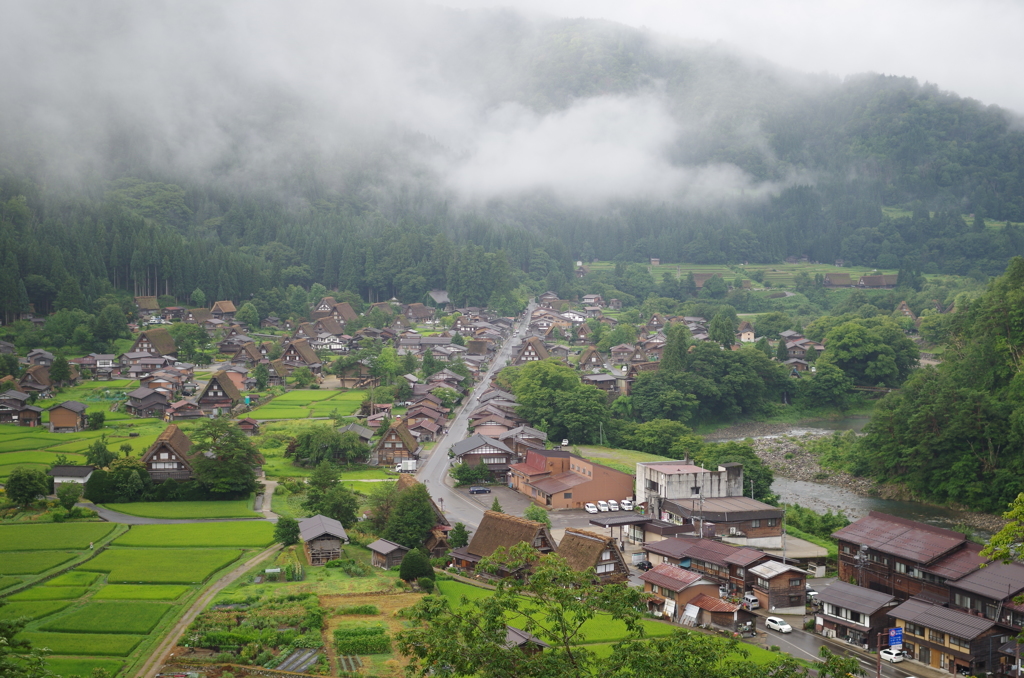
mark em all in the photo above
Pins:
pixel 788 457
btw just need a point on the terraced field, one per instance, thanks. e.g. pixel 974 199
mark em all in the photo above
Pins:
pixel 302 404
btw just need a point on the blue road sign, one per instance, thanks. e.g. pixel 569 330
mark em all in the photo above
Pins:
pixel 896 637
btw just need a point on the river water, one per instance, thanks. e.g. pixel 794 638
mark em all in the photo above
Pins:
pixel 821 497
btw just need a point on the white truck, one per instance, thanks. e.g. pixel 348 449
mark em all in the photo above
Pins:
pixel 406 466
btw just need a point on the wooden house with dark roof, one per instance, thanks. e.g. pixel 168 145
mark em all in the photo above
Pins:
pixel 197 316
pixel 248 354
pixel 591 359
pixel 147 304
pixel 322 538
pixel 183 409
pixel 398 444
pixel 223 310
pixel 501 530
pixel 583 550
pixel 169 457
pixel 220 392
pixel 323 308
pixel 249 426
pixel 37 378
pixel 15 409
pixel 67 417
pixel 344 313
pixel 532 349
pixel 386 554
pixel 838 280
pixel 147 402
pixel 300 354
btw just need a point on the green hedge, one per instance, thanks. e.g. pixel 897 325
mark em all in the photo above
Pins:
pixel 362 640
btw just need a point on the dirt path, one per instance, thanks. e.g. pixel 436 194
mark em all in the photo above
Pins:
pixel 157 659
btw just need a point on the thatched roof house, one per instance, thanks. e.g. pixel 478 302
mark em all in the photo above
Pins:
pixel 583 549
pixel 499 530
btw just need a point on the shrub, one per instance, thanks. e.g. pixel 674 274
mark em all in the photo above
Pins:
pixel 426 584
pixel 415 565
pixel 359 609
pixel 362 640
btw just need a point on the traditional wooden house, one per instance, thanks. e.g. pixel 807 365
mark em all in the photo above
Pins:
pixel 780 588
pixel 853 613
pixel 365 434
pixel 322 538
pixel 250 427
pixel 220 392
pixel 386 554
pixel 838 280
pixel 156 342
pixel 583 550
pixel 672 588
pixel 147 402
pixel 67 417
pixel 168 458
pixel 621 354
pixel 904 310
pixel 502 530
pixel 147 305
pixel 397 445
pixel 591 359
pixel 183 409
pixel 37 378
pixel 223 310
pixel 948 640
pixel 323 308
pixel 300 354
pixel 480 450
pixel 745 332
pixel 38 356
pixel 15 409
pixel 878 281
pixel 532 349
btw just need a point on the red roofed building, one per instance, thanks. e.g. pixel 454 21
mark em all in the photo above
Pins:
pixel 673 587
pixel 559 479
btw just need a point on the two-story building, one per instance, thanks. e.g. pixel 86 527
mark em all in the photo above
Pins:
pixel 780 588
pixel 853 613
pixel 396 445
pixel 673 588
pixel 168 458
pixel 949 639
pixel 559 479
pixel 739 520
pixel 661 480
pixel 493 454
pixel 583 550
pixel 727 565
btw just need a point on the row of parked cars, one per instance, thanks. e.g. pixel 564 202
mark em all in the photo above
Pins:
pixel 610 505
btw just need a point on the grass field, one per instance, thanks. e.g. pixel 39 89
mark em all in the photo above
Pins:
pixel 85 644
pixel 74 578
pixel 32 610
pixel 49 536
pixel 5 469
pixel 112 617
pixel 35 456
pixel 249 533
pixel 160 566
pixel 240 508
pixel 82 667
pixel 302 404
pixel 50 593
pixel 32 562
pixel 8 582
pixel 140 592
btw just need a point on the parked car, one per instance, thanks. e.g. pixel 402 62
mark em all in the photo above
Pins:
pixel 603 506
pixel 778 624
pixel 613 505
pixel 645 565
pixel 626 504
pixel 892 656
pixel 750 601
pixel 476 489
pixel 723 591
pixel 590 508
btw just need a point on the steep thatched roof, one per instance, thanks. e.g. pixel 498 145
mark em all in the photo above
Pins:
pixel 345 311
pixel 223 307
pixel 172 437
pixel 582 548
pixel 500 529
pixel 303 351
pixel 161 340
pixel 230 390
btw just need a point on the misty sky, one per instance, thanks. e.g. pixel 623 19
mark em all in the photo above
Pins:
pixel 246 91
pixel 971 47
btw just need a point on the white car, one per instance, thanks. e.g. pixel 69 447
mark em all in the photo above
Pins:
pixel 613 505
pixel 626 504
pixel 892 656
pixel 602 506
pixel 590 508
pixel 778 624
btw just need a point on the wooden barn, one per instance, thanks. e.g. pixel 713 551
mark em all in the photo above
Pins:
pixel 67 417
pixel 322 537
pixel 386 554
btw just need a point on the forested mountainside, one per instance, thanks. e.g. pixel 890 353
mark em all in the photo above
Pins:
pixel 720 159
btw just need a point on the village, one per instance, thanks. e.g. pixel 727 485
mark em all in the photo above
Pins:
pixel 705 551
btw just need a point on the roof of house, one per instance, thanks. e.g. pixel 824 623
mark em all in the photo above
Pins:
pixel 15 395
pixel 839 278
pixel 901 537
pixel 175 438
pixel 538 347
pixel 439 296
pixel 147 303
pixel 941 618
pixel 315 526
pixel 70 471
pixel 773 568
pixel 501 529
pixel 996 581
pixel 161 339
pixel 582 548
pixel 72 405
pixel 361 431
pixel 959 562
pixel 223 307
pixel 402 429
pixel 469 444
pixel 560 483
pixel 725 509
pixel 384 547
pixel 305 351
pixel 517 638
pixel 222 378
pixel 671 577
pixel 673 467
pixel 141 392
pixel 524 431
pixel 711 604
pixel 855 598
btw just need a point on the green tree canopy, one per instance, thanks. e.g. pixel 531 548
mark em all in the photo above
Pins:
pixel 411 518
pixel 25 485
pixel 225 459
pixel 286 531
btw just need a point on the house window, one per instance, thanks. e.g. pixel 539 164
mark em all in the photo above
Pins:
pixel 654 589
pixel 651 485
pixel 695 490
pixel 755 523
pixel 605 567
pixel 763 583
pixel 567 495
pixel 772 522
pixel 962 643
pixel 914 629
pixel 606 554
pixel 796 582
pixel 936 636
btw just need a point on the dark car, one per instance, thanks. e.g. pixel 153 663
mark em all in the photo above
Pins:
pixel 479 490
pixel 644 565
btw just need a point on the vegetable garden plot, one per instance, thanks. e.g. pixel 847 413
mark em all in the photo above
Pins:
pixel 141 592
pixel 86 644
pixel 110 617
pixel 32 562
pixel 49 536
pixel 32 610
pixel 160 566
pixel 250 533
pixel 50 593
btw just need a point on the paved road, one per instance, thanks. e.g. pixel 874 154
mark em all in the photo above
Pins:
pixel 459 506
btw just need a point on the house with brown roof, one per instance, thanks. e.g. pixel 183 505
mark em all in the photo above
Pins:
pixel 584 550
pixel 533 349
pixel 591 359
pixel 300 354
pixel 397 445
pixel 724 563
pixel 322 308
pixel 501 530
pixel 37 378
pixel 15 409
pixel 223 310
pixel 386 554
pixel 672 588
pixel 183 409
pixel 197 316
pixel 480 450
pixel 67 417
pixel 739 520
pixel 838 280
pixel 878 281
pixel 558 479
pixel 992 591
pixel 220 392
pixel 147 402
pixel 249 426
pixel 714 611
pixel 147 304
pixel 169 457
pixel 946 639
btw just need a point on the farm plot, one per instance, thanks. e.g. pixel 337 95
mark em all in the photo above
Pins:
pixel 240 508
pixel 8 582
pixel 35 456
pixel 141 592
pixel 112 617
pixel 49 536
pixel 74 579
pixel 82 667
pixel 236 533
pixel 50 593
pixel 32 610
pixel 160 566
pixel 32 562
pixel 303 404
pixel 84 644
pixel 5 469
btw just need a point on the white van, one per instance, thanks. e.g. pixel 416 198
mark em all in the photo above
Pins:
pixel 613 505
pixel 602 506
pixel 750 601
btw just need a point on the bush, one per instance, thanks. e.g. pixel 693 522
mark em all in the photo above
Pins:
pixel 359 609
pixel 362 640
pixel 415 565
pixel 426 584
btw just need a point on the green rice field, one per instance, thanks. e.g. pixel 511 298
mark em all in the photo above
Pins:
pixel 85 644
pixel 74 578
pixel 50 593
pixel 8 582
pixel 240 508
pixel 302 404
pixel 49 536
pixel 236 533
pixel 32 562
pixel 141 592
pixel 160 566
pixel 110 617
pixel 82 667
pixel 32 610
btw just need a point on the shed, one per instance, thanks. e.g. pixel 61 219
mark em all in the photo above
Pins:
pixel 62 474
pixel 67 417
pixel 386 554
pixel 323 538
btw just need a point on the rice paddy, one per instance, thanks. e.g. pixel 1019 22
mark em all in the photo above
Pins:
pixel 160 565
pixel 240 508
pixel 235 533
pixel 50 536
